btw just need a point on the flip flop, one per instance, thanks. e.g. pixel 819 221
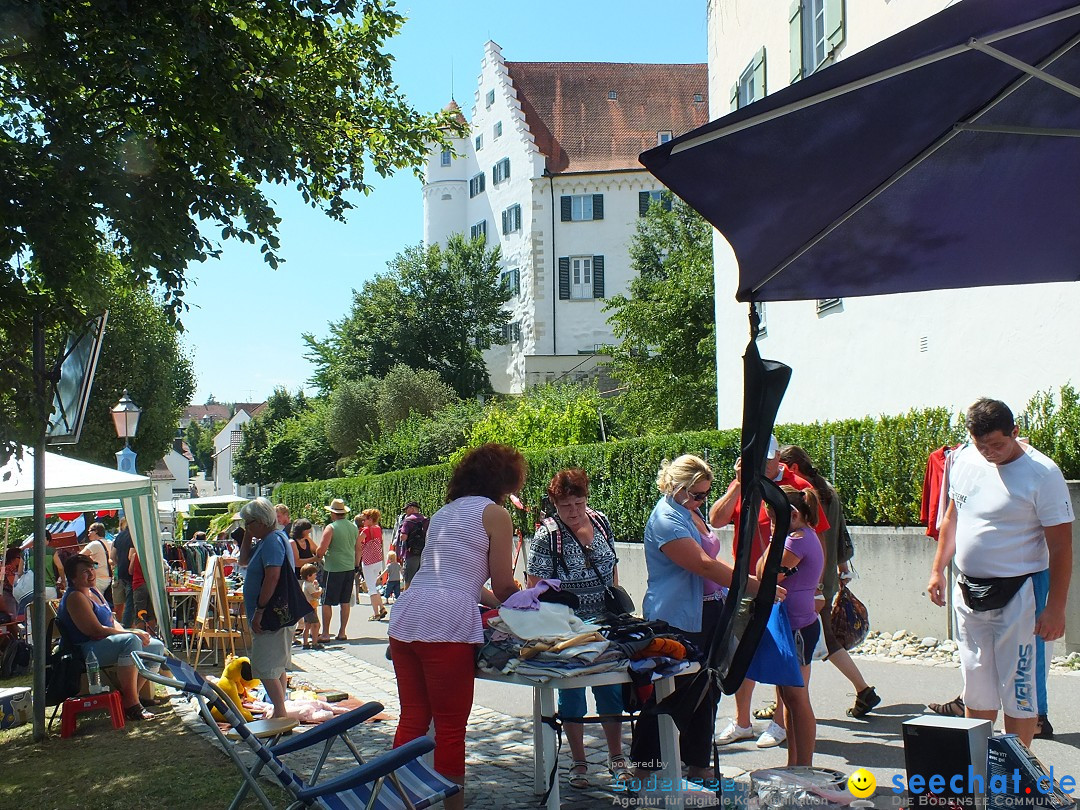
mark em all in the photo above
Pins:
pixel 325 639
pixel 341 638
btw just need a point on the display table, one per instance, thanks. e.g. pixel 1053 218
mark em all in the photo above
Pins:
pixel 545 744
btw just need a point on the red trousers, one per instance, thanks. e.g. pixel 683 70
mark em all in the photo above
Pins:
pixel 435 682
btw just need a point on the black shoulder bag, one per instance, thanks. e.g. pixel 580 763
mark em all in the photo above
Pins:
pixel 287 605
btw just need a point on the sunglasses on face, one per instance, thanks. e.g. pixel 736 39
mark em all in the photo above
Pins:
pixel 699 496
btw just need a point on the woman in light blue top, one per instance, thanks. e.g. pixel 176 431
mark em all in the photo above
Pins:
pixel 678 566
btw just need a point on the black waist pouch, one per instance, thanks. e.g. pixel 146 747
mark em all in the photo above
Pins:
pixel 989 593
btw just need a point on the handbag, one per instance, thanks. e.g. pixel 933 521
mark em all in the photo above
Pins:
pixel 287 605
pixel 850 619
pixel 776 660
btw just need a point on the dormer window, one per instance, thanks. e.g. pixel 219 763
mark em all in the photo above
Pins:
pixel 612 95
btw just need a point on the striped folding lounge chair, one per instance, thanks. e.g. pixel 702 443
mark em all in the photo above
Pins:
pixel 395 780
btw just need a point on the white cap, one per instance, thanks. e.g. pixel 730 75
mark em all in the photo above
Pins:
pixel 774 448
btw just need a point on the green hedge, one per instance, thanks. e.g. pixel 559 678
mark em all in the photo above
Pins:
pixel 879 471
pixel 877 465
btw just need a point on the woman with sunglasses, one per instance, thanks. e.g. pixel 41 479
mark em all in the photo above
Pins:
pixel 577 547
pixel 680 555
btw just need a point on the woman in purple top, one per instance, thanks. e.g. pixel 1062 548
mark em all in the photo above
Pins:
pixel 435 626
pixel 800 571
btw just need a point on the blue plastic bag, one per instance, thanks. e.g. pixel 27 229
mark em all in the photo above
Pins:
pixel 775 660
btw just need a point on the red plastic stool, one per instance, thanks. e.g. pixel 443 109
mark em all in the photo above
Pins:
pixel 75 706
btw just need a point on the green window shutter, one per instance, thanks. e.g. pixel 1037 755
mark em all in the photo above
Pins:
pixel 759 75
pixel 597 276
pixel 795 39
pixel 642 203
pixel 665 200
pixel 564 276
pixel 564 204
pixel 506 168
pixel 834 23
pixel 597 206
pixel 735 96
pixel 505 222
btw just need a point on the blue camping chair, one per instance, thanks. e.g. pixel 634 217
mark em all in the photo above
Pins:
pixel 395 780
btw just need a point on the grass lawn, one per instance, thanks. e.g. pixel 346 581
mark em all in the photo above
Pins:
pixel 147 764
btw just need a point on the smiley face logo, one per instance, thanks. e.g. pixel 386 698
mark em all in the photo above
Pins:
pixel 861 783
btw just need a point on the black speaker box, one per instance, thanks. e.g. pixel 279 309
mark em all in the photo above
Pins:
pixel 946 747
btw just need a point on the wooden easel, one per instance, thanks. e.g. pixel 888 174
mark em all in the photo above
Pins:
pixel 213 621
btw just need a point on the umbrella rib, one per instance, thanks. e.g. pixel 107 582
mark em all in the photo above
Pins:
pixel 1035 72
pixel 1002 129
pixel 858 84
pixel 911 164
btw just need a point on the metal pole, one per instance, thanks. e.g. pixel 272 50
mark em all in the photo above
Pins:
pixel 832 446
pixel 38 556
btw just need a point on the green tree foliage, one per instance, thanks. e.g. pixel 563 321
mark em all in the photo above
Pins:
pixel 141 352
pixel 353 416
pixel 200 441
pixel 126 126
pixel 404 392
pixel 419 441
pixel 434 308
pixel 287 441
pixel 552 415
pixel 666 358
pixel 1054 427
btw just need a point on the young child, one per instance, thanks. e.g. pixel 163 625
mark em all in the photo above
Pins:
pixel 312 592
pixel 393 577
pixel 800 574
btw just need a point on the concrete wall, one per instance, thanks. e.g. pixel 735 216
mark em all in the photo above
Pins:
pixel 893 565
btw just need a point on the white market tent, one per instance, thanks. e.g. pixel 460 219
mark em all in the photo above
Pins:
pixel 76 486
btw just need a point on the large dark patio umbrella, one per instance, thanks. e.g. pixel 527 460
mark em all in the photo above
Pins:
pixel 946 156
pixel 943 157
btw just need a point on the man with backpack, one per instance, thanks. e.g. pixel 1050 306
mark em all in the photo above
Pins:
pixel 411 537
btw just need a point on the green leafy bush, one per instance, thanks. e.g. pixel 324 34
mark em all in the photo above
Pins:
pixel 877 465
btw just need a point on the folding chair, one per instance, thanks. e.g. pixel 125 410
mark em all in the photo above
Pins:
pixel 395 780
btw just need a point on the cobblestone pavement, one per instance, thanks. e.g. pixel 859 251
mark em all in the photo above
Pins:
pixel 499 736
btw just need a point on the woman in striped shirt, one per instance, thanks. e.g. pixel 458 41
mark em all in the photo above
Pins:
pixel 435 626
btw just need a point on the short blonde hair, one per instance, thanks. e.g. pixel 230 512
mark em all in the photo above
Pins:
pixel 682 473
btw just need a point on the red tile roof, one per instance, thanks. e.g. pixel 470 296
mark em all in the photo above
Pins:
pixel 580 129
pixel 214 411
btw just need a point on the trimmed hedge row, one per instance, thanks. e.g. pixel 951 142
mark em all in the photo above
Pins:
pixel 879 466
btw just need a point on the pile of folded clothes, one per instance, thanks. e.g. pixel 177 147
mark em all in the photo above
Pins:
pixel 535 634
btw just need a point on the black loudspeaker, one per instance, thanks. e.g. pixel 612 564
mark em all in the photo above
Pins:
pixel 1026 781
pixel 937 749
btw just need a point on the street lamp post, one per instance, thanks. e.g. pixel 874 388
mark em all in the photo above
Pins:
pixel 125 415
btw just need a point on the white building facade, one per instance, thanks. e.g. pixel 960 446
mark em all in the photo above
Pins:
pixel 225 443
pixel 879 354
pixel 549 172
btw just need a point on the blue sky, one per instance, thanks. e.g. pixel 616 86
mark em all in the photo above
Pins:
pixel 244 327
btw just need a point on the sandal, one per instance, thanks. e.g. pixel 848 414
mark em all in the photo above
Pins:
pixel 383 614
pixel 341 638
pixel 954 708
pixel 374 617
pixel 620 770
pixel 865 701
pixel 1043 729
pixel 765 712
pixel 137 712
pixel 577 775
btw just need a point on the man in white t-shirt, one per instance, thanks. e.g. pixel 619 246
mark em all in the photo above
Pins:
pixel 1009 516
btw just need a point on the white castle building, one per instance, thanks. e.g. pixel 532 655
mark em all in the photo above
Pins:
pixel 881 354
pixel 550 171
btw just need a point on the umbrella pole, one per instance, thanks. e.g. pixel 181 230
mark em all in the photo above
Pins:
pixel 38 555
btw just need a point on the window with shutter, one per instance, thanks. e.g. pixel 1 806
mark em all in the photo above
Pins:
pixel 582 207
pixel 564 208
pixel 489 98
pixel 500 171
pixel 816 30
pixel 511 219
pixel 751 85
pixel 497 129
pixel 564 278
pixel 478 142
pixel 581 277
pixel 826 304
pixel 511 281
pixel 479 230
pixel 598 276
pixel 645 199
pixel 476 184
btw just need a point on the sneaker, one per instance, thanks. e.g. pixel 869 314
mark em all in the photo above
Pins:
pixel 734 733
pixel 772 736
